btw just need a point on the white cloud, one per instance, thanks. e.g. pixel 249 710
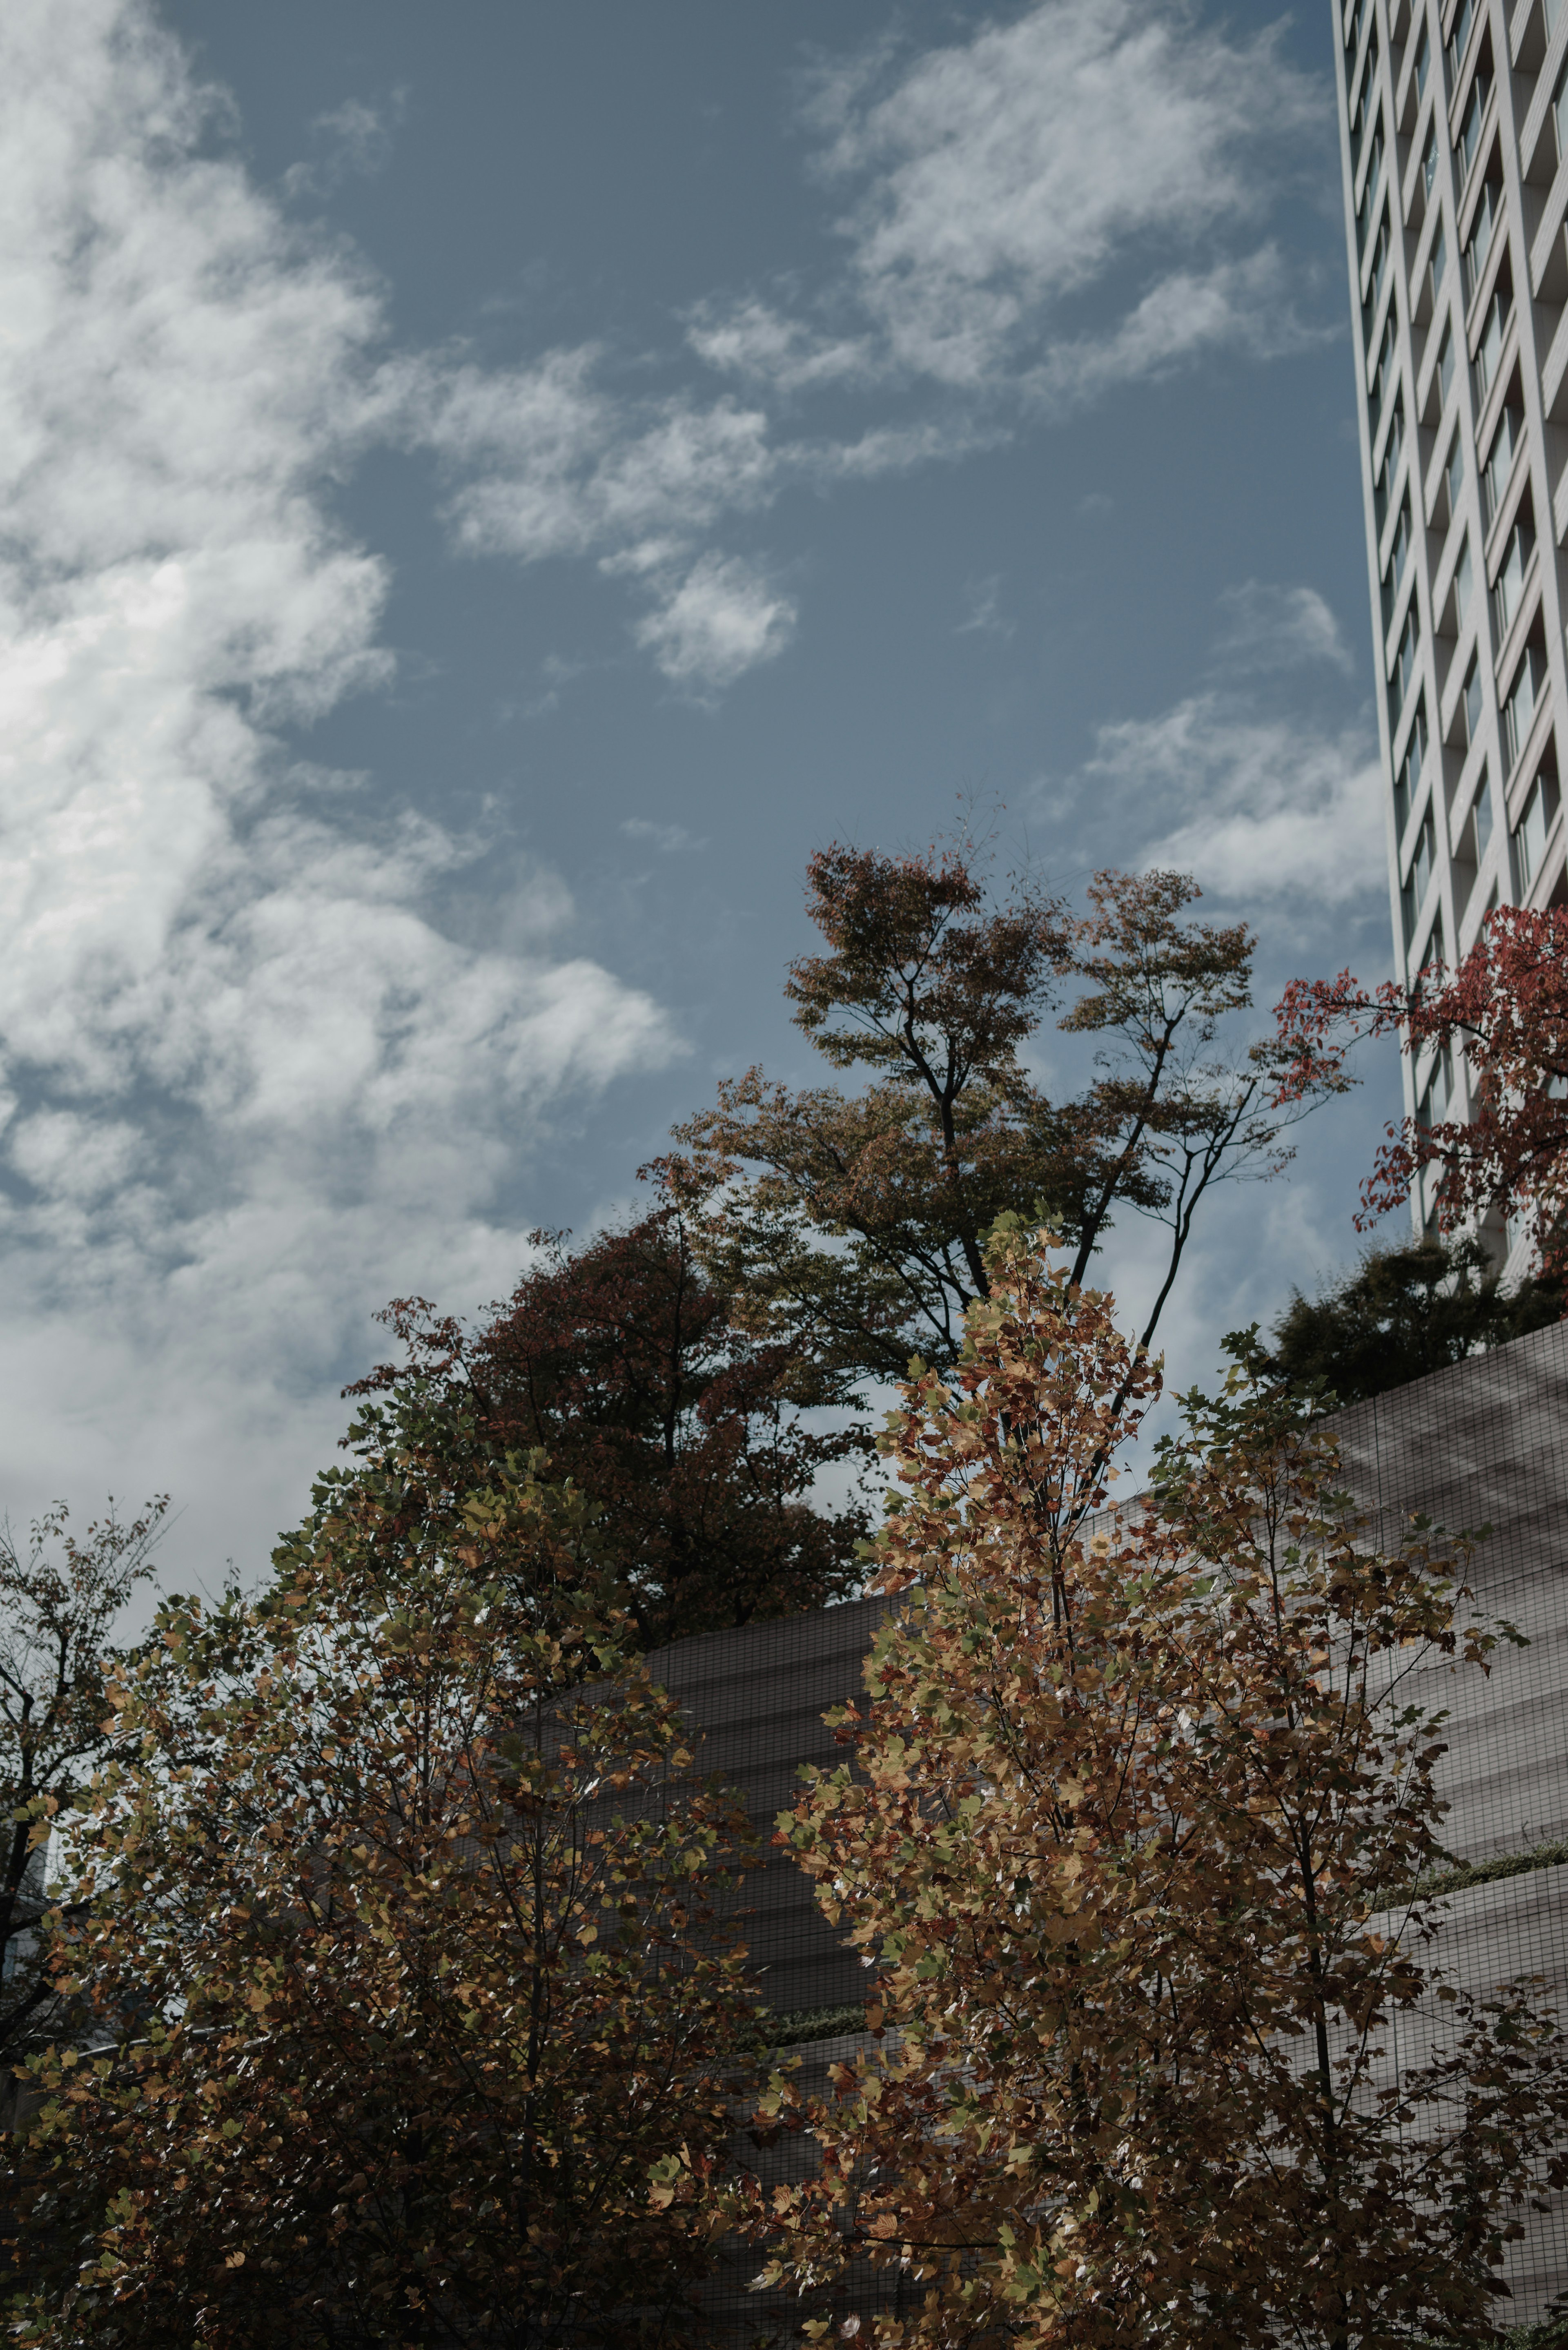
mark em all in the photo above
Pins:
pixel 996 179
pixel 1087 143
pixel 751 338
pixel 1274 807
pixel 1279 627
pixel 70 1158
pixel 257 1087
pixel 549 462
pixel 716 622
pixel 252 1084
pixel 1091 147
pixel 1242 304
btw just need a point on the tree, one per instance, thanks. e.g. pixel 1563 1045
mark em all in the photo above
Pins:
pixel 1404 1312
pixel 1132 1825
pixel 60 1602
pixel 402 1955
pixel 851 1228
pixel 1503 1012
pixel 621 1363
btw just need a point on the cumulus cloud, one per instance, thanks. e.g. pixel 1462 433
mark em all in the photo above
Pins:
pixel 546 462
pixel 1089 148
pixel 253 1084
pixel 1270 808
pixel 1102 149
pixel 550 463
pixel 715 623
pixel 248 1081
pixel 751 338
pixel 1051 208
pixel 1243 305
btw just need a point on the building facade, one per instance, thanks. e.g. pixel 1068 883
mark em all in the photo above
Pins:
pixel 1454 140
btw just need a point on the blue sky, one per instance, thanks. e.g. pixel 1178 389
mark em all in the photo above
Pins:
pixel 488 490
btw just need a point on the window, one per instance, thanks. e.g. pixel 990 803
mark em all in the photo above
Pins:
pixel 1352 39
pixel 1487 212
pixel 1384 375
pixel 1472 835
pixel 1498 315
pixel 1510 573
pixel 1440 261
pixel 1430 162
pixel 1470 838
pixel 1534 825
pixel 1398 553
pixel 1369 190
pixel 1454 471
pixel 1464 572
pixel 1445 363
pixel 1404 664
pixel 1432 952
pixel 1387 472
pixel 1424 67
pixel 1435 1101
pixel 1360 118
pixel 1408 773
pixel 1423 857
pixel 1499 457
pixel 1473 700
pixel 1471 128
pixel 1560 113
pixel 1520 709
pixel 1380 252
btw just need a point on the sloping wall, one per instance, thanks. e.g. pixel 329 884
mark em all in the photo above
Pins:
pixel 1486 1444
pixel 758 1696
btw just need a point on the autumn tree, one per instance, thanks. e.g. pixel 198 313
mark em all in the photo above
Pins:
pixel 1404 1312
pixel 61 1598
pixel 850 1226
pixel 622 1363
pixel 1501 1015
pixel 1132 1826
pixel 402 1959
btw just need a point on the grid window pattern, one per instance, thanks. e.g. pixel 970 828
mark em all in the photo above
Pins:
pixel 1454 135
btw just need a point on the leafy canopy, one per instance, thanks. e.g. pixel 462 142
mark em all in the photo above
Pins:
pixel 1404 1312
pixel 60 1602
pixel 1128 1825
pixel 621 1363
pixel 402 1959
pixel 850 1227
pixel 1497 1025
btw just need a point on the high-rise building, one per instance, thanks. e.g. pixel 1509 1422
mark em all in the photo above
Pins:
pixel 1454 136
